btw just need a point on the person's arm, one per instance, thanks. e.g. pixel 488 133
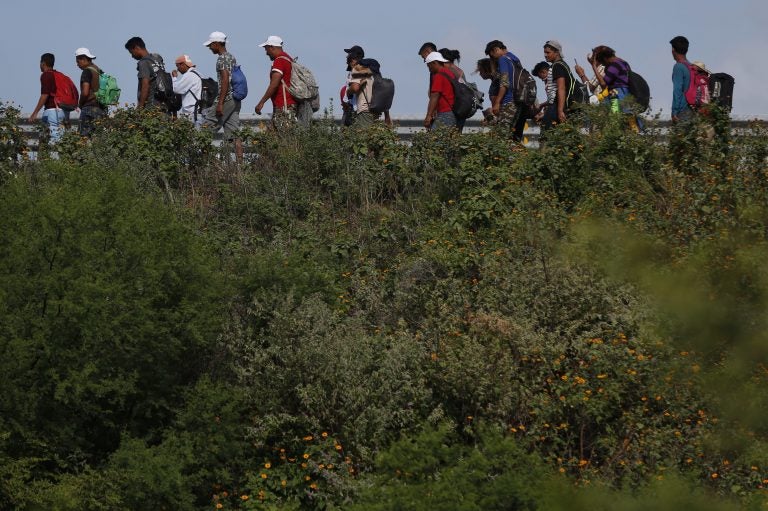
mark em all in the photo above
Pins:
pixel 275 81
pixel 85 87
pixel 40 103
pixel 598 76
pixel 504 85
pixel 223 89
pixel 561 97
pixel 434 97
pixel 387 118
pixel 678 89
pixel 143 92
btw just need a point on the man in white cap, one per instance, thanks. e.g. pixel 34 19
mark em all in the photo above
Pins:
pixel 189 84
pixel 441 95
pixel 225 113
pixel 283 104
pixel 90 108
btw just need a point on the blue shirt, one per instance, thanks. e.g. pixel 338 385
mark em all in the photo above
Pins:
pixel 681 79
pixel 507 76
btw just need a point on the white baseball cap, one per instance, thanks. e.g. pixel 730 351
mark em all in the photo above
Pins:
pixel 272 40
pixel 216 37
pixel 435 56
pixel 84 51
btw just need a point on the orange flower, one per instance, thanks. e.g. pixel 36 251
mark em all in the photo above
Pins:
pixel 305 456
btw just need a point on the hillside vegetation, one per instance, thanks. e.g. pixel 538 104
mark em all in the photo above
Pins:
pixel 349 322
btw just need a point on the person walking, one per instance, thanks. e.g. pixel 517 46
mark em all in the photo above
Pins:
pixel 441 94
pixel 283 104
pixel 90 108
pixel 226 111
pixel 54 117
pixel 681 80
pixel 188 83
pixel 146 68
pixel 564 84
pixel 509 111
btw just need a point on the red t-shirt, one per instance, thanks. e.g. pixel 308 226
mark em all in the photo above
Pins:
pixel 282 65
pixel 48 86
pixel 442 84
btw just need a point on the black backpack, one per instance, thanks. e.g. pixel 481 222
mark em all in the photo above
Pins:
pixel 721 90
pixel 464 103
pixel 525 85
pixel 209 92
pixel 639 89
pixel 164 85
pixel 383 94
pixel 578 93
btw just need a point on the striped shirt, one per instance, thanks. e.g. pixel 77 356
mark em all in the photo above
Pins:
pixel 617 75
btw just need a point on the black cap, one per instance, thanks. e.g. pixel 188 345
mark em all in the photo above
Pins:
pixel 355 51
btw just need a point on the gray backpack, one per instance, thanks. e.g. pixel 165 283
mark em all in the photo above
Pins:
pixel 303 85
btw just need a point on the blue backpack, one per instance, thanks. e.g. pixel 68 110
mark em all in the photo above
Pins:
pixel 239 84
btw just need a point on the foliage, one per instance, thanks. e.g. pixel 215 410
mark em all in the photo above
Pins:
pixel 480 316
pixel 13 143
pixel 108 307
pixel 437 469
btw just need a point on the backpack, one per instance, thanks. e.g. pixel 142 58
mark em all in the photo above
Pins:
pixel 209 92
pixel 108 92
pixel 303 85
pixel 463 98
pixel 721 90
pixel 698 88
pixel 639 89
pixel 164 85
pixel 525 85
pixel 383 95
pixel 239 83
pixel 578 93
pixel 66 96
pixel 479 96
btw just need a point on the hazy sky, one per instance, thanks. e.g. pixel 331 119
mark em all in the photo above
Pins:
pixel 724 35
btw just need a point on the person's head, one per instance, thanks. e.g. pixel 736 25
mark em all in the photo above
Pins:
pixel 46 61
pixel 136 47
pixel 451 56
pixel 679 46
pixel 184 63
pixel 603 54
pixel 435 61
pixel 216 42
pixel 541 70
pixel 553 51
pixel 485 68
pixel 495 49
pixel 354 54
pixel 426 49
pixel 84 57
pixel 273 46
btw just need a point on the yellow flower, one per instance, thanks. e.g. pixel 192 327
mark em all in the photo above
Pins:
pixel 283 482
pixel 313 486
pixel 337 447
pixel 305 456
pixel 307 478
pixel 263 475
pixel 324 434
pixel 303 465
pixel 715 475
pixel 244 497
pixel 309 437
pixel 219 505
pixel 267 465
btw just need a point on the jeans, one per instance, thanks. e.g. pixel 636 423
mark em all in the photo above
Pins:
pixel 444 119
pixel 54 118
pixel 88 115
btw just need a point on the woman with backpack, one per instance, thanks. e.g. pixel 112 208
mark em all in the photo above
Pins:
pixel 614 82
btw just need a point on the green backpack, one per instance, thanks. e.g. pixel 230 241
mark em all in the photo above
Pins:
pixel 109 92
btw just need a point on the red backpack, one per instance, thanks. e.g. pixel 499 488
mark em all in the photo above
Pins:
pixel 66 95
pixel 698 90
